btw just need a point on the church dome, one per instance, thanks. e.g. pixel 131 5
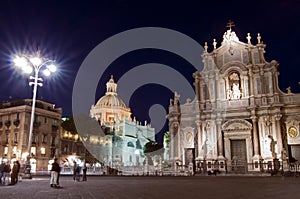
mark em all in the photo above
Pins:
pixel 111 98
pixel 110 101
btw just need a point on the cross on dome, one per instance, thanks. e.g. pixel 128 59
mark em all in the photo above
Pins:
pixel 230 24
pixel 230 35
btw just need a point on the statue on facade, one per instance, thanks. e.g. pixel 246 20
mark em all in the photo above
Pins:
pixel 229 94
pixel 272 146
pixel 236 93
pixel 176 98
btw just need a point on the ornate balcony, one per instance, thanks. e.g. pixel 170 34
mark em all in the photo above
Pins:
pixel 16 122
pixel 7 123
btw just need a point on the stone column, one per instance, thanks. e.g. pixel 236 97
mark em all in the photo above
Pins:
pixel 217 87
pixel 251 82
pixel 221 159
pixel 246 88
pixel 255 137
pixel 227 152
pixel 256 160
pixel 196 76
pixel 199 137
pixel 220 139
pixel 279 135
pixel 242 88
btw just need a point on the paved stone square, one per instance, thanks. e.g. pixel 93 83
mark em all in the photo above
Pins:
pixel 233 187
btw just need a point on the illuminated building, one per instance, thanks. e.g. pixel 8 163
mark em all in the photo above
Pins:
pixel 239 121
pixel 14 130
pixel 124 139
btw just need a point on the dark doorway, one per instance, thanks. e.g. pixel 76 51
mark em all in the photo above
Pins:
pixel 238 156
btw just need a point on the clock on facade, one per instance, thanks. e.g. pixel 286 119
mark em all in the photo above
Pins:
pixel 293 132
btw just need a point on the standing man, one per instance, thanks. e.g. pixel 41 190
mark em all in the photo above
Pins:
pixel 84 170
pixel 74 169
pixel 14 173
pixel 54 174
pixel 1 171
pixel 5 173
pixel 18 171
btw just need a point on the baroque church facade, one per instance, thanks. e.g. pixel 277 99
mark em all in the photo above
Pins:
pixel 122 145
pixel 239 120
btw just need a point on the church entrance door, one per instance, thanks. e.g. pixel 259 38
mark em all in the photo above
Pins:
pixel 190 157
pixel 238 156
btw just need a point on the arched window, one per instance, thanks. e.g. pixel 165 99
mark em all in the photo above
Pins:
pixel 130 144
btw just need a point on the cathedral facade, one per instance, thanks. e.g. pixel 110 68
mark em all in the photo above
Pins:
pixel 239 120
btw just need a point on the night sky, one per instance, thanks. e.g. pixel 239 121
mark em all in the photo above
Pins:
pixel 68 30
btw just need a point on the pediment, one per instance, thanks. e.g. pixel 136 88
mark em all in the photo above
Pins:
pixel 237 125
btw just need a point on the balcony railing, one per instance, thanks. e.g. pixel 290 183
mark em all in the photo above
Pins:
pixel 7 123
pixel 16 122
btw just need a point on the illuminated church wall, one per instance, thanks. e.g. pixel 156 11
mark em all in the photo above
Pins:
pixel 239 114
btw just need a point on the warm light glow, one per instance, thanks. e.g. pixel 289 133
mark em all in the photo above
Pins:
pixel 65 135
pixel 51 68
pixel 14 150
pixel 24 155
pixel 33 150
pixel 43 151
pixel 5 150
pixel 36 61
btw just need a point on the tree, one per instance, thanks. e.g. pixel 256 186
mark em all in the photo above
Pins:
pixel 69 125
pixel 167 138
pixel 152 146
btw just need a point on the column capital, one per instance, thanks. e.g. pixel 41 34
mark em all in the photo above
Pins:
pixel 278 117
pixel 253 118
pixel 219 121
pixel 267 120
pixel 175 125
pixel 198 123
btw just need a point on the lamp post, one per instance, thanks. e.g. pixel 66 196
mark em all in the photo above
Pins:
pixel 28 64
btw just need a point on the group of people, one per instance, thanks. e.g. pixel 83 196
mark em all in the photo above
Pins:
pixel 55 173
pixel 5 170
pixel 77 170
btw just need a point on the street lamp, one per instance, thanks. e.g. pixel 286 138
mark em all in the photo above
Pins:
pixel 27 65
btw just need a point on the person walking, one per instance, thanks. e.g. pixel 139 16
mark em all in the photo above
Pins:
pixel 77 173
pixel 54 174
pixel 5 173
pixel 84 170
pixel 18 170
pixel 58 175
pixel 14 173
pixel 74 169
pixel 1 171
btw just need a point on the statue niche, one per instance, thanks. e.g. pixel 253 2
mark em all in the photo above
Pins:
pixel 234 90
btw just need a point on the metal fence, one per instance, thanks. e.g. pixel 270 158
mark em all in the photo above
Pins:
pixel 236 167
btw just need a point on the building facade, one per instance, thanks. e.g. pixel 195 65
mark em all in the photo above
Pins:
pixel 239 120
pixel 124 138
pixel 14 132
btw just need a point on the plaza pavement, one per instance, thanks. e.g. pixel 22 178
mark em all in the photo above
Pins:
pixel 233 187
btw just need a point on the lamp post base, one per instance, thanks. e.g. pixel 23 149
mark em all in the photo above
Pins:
pixel 27 172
